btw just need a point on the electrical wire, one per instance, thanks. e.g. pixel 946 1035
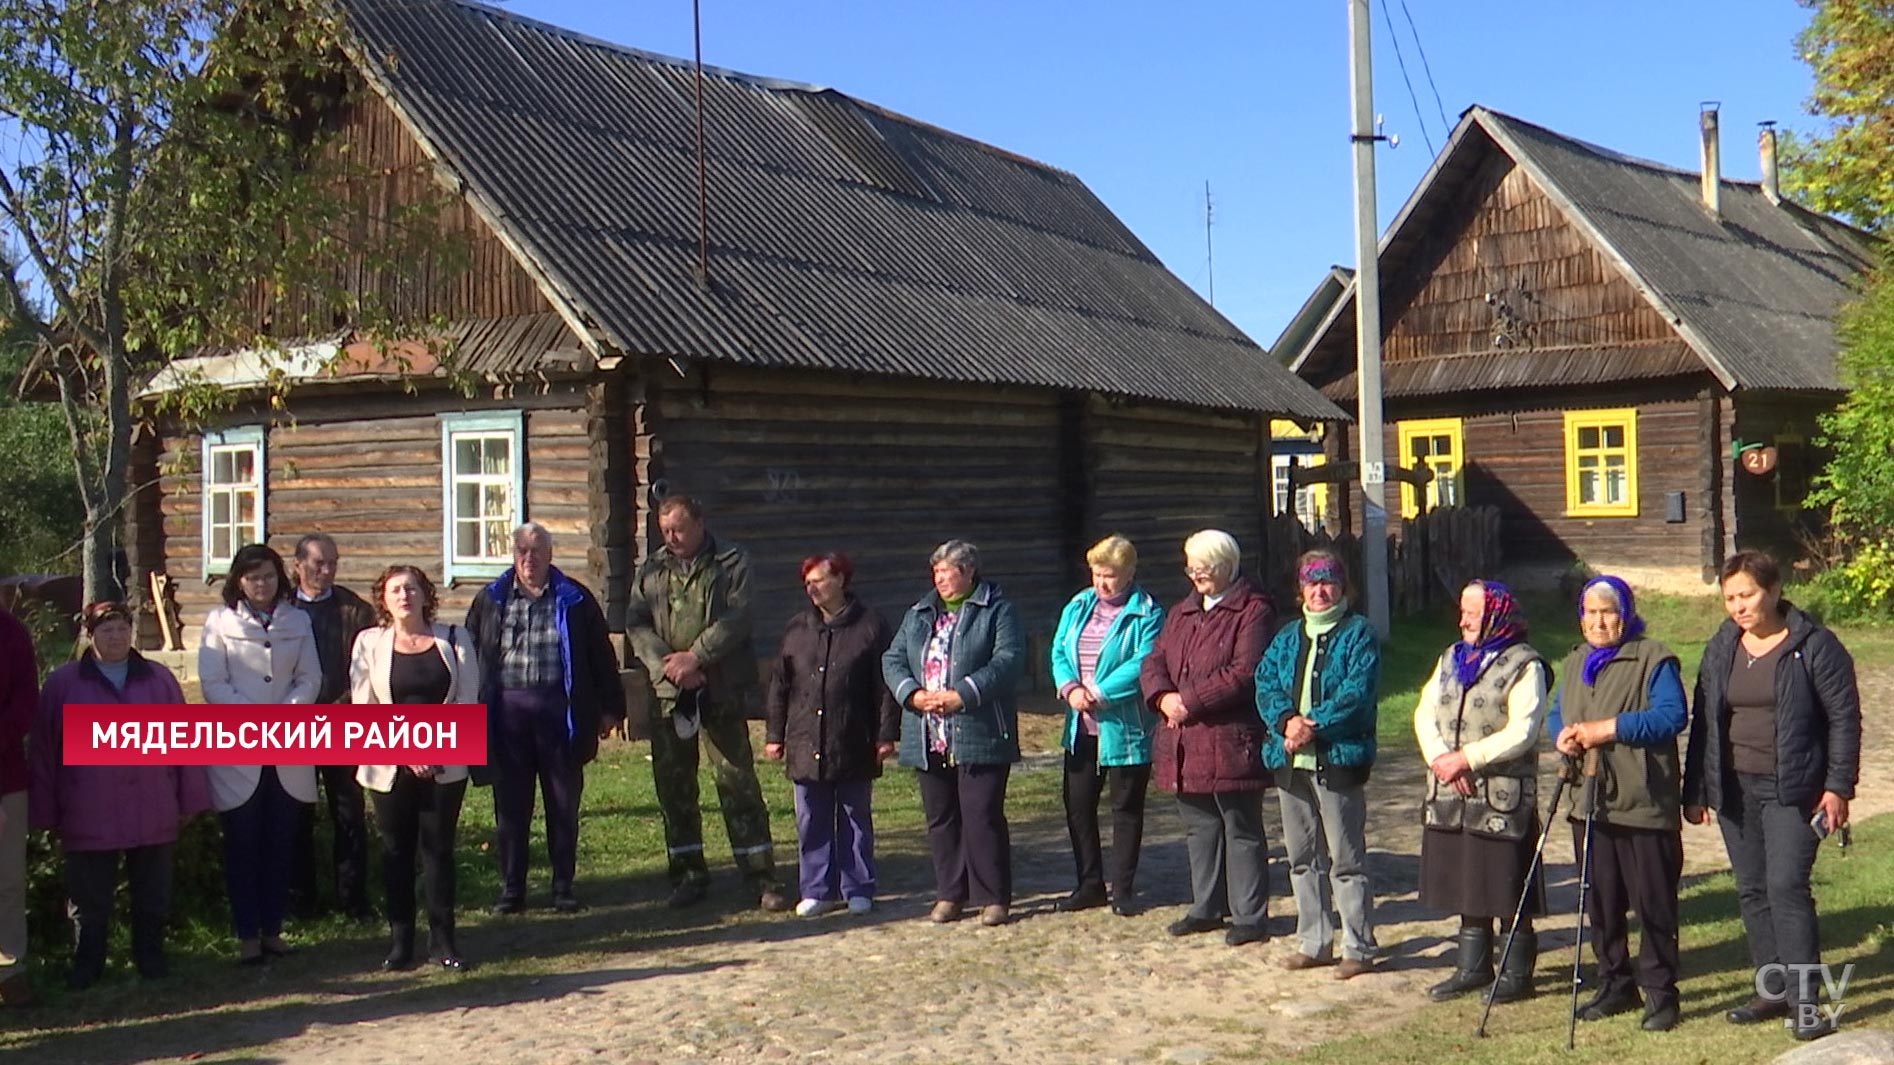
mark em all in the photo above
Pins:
pixel 1425 67
pixel 1405 80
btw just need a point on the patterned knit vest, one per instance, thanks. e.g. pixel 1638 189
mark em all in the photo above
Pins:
pixel 1506 795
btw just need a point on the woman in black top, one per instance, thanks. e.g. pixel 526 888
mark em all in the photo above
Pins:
pixel 409 660
pixel 1775 752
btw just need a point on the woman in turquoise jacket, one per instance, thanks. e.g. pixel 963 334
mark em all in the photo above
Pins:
pixel 1104 634
pixel 1315 691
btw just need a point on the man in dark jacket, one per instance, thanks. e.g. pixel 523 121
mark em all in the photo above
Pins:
pixel 549 678
pixel 19 702
pixel 688 620
pixel 337 615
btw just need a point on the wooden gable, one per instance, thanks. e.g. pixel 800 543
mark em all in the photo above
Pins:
pixel 1506 269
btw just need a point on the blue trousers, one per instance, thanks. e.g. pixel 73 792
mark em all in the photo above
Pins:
pixel 835 830
pixel 259 852
pixel 532 752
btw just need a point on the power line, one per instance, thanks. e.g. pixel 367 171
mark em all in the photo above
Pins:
pixel 1425 68
pixel 1415 100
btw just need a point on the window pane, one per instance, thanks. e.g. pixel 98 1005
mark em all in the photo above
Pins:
pixel 1588 437
pixel 1588 486
pixel 1615 485
pixel 498 535
pixel 1448 490
pixel 244 466
pixel 219 508
pixel 466 500
pixel 221 468
pixel 1588 462
pixel 220 544
pixel 1443 445
pixel 495 501
pixel 466 539
pixel 466 455
pixel 244 504
pixel 1614 436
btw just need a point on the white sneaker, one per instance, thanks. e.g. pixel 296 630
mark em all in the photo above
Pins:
pixel 816 907
pixel 860 904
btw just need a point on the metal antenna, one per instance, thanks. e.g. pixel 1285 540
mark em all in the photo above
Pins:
pixel 1209 256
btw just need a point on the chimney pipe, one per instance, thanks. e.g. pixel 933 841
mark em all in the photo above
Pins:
pixel 1712 159
pixel 1771 181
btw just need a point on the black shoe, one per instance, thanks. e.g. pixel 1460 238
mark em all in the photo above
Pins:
pixel 1515 976
pixel 1190 926
pixel 1126 907
pixel 687 893
pixel 82 977
pixel 1758 1010
pixel 452 963
pixel 565 902
pixel 508 904
pixel 400 949
pixel 1804 1034
pixel 1661 1018
pixel 1087 897
pixel 1239 934
pixel 1608 1002
pixel 1473 968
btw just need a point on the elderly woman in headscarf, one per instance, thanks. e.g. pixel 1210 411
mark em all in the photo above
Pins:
pixel 1478 722
pixel 1315 691
pixel 1622 695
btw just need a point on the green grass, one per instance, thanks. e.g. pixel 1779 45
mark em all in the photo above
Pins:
pixel 1853 894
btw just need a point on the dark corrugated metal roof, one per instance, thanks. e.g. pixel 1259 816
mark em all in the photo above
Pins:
pixel 1754 291
pixel 1527 368
pixel 842 236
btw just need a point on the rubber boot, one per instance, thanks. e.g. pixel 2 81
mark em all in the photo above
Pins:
pixel 1515 976
pixel 1475 967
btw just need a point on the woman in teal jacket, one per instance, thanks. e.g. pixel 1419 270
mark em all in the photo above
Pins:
pixel 1104 634
pixel 1315 691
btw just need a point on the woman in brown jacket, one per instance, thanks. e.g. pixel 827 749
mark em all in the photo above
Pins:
pixel 833 721
pixel 1201 678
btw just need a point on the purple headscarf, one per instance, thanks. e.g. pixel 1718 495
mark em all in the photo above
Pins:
pixel 1502 624
pixel 1633 625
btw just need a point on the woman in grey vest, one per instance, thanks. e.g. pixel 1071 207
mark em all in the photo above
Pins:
pixel 1623 695
pixel 1478 724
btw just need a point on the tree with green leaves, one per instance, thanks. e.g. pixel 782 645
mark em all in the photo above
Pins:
pixel 1846 168
pixel 164 183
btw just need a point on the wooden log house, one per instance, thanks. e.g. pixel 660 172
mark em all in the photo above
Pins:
pixel 905 336
pixel 1587 341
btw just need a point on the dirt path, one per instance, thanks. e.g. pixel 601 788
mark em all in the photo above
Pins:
pixel 892 989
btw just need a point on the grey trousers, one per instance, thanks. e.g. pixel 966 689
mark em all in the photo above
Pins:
pixel 1229 858
pixel 1324 831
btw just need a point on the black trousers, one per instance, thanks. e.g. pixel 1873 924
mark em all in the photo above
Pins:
pixel 965 807
pixel 1634 869
pixel 1085 783
pixel 1772 851
pixel 531 752
pixel 348 851
pixel 420 817
pixel 91 888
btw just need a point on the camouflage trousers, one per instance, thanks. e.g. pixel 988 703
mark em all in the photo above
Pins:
pixel 733 766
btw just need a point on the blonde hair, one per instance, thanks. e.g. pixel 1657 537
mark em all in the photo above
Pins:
pixel 1114 551
pixel 1215 549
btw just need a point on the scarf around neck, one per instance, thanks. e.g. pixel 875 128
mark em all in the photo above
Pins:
pixel 1633 626
pixel 1502 624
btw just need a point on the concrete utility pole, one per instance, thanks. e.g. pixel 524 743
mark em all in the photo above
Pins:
pixel 1374 520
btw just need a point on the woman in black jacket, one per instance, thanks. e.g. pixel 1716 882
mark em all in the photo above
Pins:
pixel 1775 750
pixel 833 721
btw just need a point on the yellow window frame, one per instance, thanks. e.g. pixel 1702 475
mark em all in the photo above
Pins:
pixel 1406 434
pixel 1576 422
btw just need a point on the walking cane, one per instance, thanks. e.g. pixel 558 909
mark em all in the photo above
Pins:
pixel 1568 772
pixel 1584 889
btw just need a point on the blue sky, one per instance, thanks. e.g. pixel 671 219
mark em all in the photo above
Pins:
pixel 1147 100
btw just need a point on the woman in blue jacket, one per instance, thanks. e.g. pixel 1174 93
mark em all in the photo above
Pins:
pixel 1104 634
pixel 1315 690
pixel 952 668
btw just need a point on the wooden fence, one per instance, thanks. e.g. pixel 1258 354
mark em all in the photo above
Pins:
pixel 1430 558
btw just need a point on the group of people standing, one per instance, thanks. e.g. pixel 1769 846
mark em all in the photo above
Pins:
pixel 1211 699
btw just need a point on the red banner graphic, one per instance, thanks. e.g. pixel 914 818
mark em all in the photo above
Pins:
pixel 275 734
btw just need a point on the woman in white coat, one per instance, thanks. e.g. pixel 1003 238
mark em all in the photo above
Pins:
pixel 259 648
pixel 409 660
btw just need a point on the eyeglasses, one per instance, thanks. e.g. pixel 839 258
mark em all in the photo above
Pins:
pixel 1199 572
